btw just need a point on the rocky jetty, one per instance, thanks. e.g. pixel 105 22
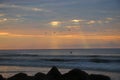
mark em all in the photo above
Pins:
pixel 55 74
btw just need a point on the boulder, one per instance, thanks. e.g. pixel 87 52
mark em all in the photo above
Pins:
pixel 54 74
pixel 40 76
pixel 76 74
pixel 1 77
pixel 99 77
pixel 19 76
pixel 30 78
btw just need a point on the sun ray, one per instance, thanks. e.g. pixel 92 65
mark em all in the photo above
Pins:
pixel 83 37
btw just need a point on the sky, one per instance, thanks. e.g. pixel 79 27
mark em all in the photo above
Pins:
pixel 59 24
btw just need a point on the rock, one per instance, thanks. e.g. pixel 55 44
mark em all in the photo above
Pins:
pixel 99 77
pixel 40 76
pixel 54 74
pixel 30 78
pixel 1 77
pixel 76 74
pixel 19 76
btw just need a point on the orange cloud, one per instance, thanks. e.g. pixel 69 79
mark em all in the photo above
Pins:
pixel 77 20
pixel 55 23
pixel 91 22
pixel 1 14
pixel 87 36
pixel 24 41
pixel 109 19
pixel 3 20
pixel 4 33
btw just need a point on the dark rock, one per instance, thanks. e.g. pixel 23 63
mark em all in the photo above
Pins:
pixel 54 74
pixel 76 74
pixel 1 77
pixel 19 76
pixel 40 76
pixel 30 78
pixel 99 77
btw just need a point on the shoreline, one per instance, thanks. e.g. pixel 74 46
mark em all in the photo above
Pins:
pixel 56 74
pixel 8 71
pixel 12 70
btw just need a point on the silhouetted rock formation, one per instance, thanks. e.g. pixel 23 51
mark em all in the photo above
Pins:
pixel 99 77
pixel 54 74
pixel 76 74
pixel 19 76
pixel 1 77
pixel 40 76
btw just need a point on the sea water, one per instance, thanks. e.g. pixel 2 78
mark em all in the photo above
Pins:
pixel 93 61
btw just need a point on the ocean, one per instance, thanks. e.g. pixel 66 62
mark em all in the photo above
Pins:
pixel 93 61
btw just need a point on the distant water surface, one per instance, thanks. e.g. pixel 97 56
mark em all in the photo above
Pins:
pixel 99 60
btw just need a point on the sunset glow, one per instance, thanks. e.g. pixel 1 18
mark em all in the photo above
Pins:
pixel 3 33
pixel 75 20
pixel 55 23
pixel 60 24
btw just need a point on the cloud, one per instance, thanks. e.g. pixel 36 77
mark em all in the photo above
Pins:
pixel 19 35
pixel 1 14
pixel 55 23
pixel 73 36
pixel 77 20
pixel 91 22
pixel 109 19
pixel 3 20
pixel 99 21
pixel 70 28
pixel 46 40
pixel 35 9
pixel 106 20
pixel 58 3
pixel 4 33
